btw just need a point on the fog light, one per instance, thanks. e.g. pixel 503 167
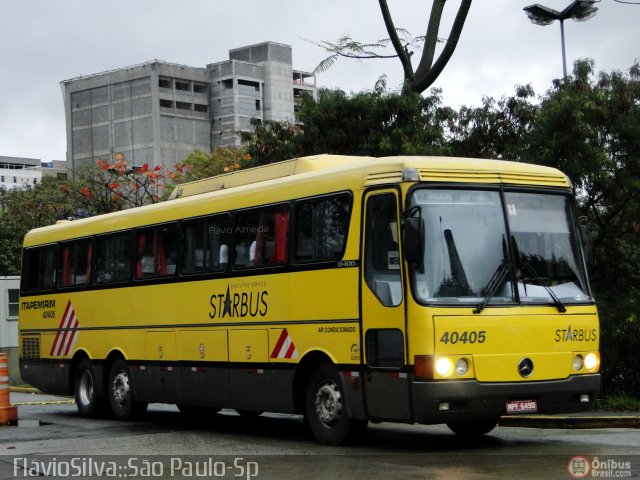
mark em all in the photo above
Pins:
pixel 444 367
pixel 577 363
pixel 584 398
pixel 591 361
pixel 444 406
pixel 462 366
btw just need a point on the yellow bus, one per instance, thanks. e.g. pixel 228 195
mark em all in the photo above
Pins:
pixel 348 289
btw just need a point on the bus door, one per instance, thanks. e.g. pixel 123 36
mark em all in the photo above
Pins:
pixel 385 379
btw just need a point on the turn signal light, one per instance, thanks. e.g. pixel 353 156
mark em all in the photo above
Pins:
pixel 423 367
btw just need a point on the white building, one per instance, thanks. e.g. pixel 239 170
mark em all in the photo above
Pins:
pixel 9 307
pixel 17 172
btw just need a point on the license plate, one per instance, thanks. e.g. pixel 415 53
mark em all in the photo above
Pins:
pixel 522 406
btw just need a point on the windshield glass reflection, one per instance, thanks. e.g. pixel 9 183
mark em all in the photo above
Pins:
pixel 470 257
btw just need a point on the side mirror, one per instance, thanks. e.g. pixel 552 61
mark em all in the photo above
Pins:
pixel 414 239
pixel 585 240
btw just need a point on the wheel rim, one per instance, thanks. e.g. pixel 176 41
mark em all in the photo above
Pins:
pixel 121 388
pixel 86 390
pixel 328 404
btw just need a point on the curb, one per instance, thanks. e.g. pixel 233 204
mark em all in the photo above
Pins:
pixel 579 422
pixel 24 390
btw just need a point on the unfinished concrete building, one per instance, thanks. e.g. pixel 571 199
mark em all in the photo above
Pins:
pixel 158 112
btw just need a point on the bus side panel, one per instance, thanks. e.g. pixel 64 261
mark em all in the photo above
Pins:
pixel 203 374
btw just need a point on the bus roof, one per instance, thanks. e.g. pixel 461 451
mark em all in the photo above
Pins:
pixel 298 178
pixel 384 170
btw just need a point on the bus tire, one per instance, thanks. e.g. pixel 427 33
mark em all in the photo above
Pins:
pixel 474 428
pixel 88 400
pixel 325 410
pixel 120 389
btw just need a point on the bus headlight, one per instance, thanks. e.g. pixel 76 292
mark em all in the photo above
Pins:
pixel 577 363
pixel 591 361
pixel 462 366
pixel 444 366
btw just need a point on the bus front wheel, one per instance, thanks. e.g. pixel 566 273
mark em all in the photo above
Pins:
pixel 88 399
pixel 325 409
pixel 123 405
pixel 473 428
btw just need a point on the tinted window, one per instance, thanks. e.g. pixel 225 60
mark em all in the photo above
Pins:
pixel 156 251
pixel 75 263
pixel 206 245
pixel 321 228
pixel 39 268
pixel 113 258
pixel 261 238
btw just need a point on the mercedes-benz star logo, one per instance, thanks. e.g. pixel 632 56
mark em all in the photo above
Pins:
pixel 525 367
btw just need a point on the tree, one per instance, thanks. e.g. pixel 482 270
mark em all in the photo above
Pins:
pixel 496 129
pixel 367 123
pixel 269 141
pixel 107 187
pixel 220 160
pixel 24 209
pixel 589 127
pixel 429 67
pixel 373 123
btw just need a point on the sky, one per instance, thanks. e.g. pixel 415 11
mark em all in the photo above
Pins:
pixel 43 42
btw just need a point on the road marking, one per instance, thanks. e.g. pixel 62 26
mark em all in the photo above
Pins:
pixel 54 402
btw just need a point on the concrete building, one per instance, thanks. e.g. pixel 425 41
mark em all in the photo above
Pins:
pixel 9 306
pixel 159 112
pixel 18 172
pixel 54 168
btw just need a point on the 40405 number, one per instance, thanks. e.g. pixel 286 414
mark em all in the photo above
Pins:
pixel 474 336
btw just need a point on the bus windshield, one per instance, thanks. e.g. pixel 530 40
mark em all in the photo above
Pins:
pixel 472 256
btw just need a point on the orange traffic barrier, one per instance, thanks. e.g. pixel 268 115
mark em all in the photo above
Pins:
pixel 8 412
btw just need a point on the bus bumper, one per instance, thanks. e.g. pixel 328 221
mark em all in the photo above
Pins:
pixel 48 376
pixel 464 400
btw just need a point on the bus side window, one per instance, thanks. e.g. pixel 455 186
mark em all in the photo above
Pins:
pixel 113 258
pixel 321 228
pixel 218 240
pixel 39 268
pixel 262 238
pixel 206 246
pixel 280 248
pixel 156 254
pixel 75 262
pixel 246 231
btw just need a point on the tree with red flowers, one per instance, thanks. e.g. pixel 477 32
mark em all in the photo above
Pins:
pixel 108 187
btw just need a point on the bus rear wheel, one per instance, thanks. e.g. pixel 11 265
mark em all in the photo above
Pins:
pixel 88 399
pixel 473 428
pixel 123 404
pixel 325 409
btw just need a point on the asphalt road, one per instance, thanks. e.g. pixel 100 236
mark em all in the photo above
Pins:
pixel 52 440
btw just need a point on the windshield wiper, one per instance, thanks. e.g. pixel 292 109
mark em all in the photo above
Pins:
pixel 524 265
pixel 492 286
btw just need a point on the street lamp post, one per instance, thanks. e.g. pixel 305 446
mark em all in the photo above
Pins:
pixel 579 10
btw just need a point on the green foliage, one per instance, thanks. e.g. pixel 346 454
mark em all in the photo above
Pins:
pixel 589 127
pixel 269 142
pixel 220 160
pixel 373 123
pixel 620 401
pixel 496 129
pixel 24 209
pixel 366 123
